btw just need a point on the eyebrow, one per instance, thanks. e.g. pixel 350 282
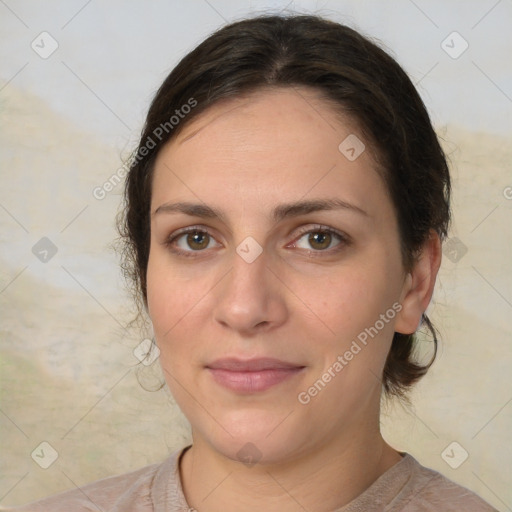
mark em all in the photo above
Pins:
pixel 280 212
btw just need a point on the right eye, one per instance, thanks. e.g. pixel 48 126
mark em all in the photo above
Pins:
pixel 190 240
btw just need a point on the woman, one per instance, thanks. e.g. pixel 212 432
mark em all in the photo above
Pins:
pixel 284 216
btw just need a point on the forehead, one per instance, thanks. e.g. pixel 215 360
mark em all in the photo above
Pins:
pixel 292 122
pixel 270 146
pixel 271 109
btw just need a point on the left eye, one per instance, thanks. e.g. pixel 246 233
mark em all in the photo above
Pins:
pixel 319 240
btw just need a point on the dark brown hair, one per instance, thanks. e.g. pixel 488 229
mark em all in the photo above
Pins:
pixel 353 74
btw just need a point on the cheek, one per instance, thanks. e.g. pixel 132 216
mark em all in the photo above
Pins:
pixel 168 297
pixel 350 299
pixel 176 307
pixel 167 308
pixel 356 304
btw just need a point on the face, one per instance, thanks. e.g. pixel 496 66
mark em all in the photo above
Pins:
pixel 274 313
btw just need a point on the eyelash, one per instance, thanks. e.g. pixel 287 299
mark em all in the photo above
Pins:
pixel 344 240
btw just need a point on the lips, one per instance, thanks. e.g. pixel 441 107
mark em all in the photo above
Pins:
pixel 253 375
pixel 251 365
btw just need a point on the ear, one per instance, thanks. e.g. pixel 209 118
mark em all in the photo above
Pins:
pixel 418 286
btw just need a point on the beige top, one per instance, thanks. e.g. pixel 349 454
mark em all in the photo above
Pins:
pixel 407 487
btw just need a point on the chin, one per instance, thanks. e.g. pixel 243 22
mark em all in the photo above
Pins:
pixel 258 438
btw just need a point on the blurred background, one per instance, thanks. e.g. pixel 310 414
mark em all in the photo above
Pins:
pixel 76 79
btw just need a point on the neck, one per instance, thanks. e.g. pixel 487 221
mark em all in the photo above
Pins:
pixel 324 479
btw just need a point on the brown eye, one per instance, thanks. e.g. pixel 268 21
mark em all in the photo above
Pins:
pixel 198 240
pixel 320 240
pixel 189 241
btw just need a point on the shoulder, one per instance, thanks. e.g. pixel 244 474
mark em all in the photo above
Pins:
pixel 129 492
pixel 427 490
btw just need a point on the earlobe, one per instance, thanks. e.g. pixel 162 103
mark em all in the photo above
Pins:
pixel 419 286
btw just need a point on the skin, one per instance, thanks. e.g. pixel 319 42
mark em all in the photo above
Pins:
pixel 298 301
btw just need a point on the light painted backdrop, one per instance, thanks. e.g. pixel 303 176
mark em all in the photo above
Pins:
pixel 76 79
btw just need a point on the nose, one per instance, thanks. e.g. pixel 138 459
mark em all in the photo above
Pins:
pixel 250 299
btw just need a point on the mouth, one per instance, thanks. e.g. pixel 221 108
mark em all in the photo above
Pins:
pixel 253 375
